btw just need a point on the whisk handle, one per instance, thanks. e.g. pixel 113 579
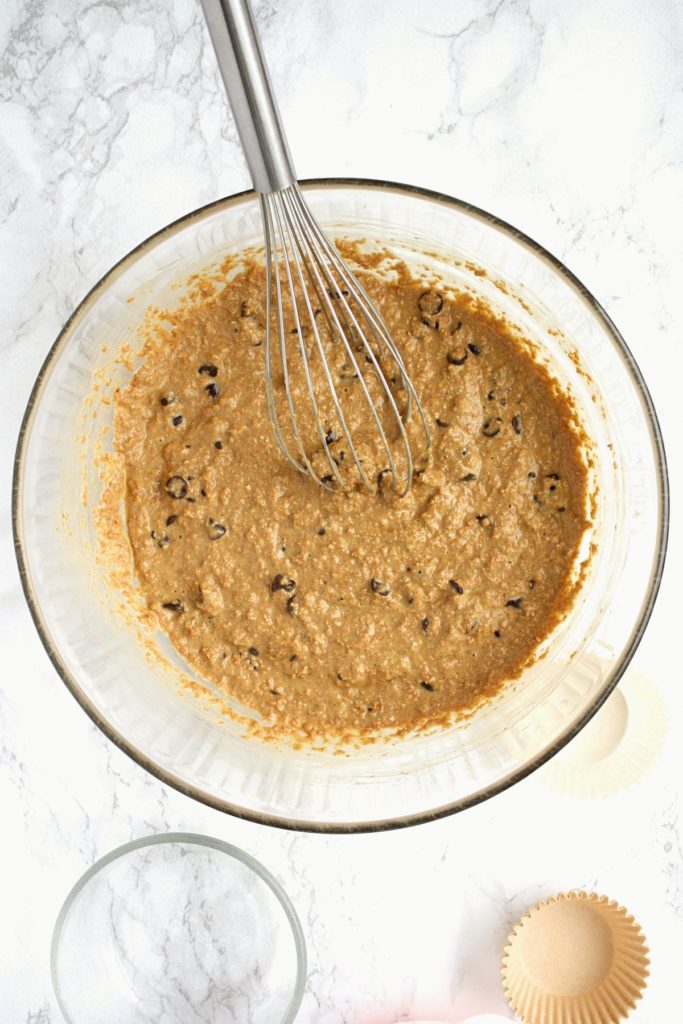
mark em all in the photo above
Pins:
pixel 243 67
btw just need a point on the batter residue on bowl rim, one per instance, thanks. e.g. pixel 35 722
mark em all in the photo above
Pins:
pixel 340 613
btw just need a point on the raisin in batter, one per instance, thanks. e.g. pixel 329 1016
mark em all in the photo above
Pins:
pixel 329 613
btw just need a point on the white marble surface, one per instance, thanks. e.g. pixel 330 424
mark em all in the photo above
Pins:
pixel 565 119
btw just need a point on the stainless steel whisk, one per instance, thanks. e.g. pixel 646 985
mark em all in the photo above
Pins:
pixel 307 277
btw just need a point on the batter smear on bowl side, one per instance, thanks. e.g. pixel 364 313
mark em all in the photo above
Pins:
pixel 337 612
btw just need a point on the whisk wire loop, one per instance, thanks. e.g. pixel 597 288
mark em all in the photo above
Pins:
pixel 293 243
pixel 352 329
pixel 288 259
pixel 273 276
pixel 321 291
pixel 300 259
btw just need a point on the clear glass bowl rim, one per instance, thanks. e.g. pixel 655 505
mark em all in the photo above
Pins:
pixel 188 839
pixel 168 777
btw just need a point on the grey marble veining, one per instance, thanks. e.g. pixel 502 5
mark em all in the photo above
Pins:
pixel 565 119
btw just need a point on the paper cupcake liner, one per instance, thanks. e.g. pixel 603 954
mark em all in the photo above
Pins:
pixel 617 747
pixel 576 958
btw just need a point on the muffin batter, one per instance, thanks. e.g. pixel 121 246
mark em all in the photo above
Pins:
pixel 329 613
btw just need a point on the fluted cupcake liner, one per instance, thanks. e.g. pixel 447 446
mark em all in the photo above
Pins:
pixel 617 747
pixel 576 958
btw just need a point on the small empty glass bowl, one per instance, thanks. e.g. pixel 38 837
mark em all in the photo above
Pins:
pixel 178 927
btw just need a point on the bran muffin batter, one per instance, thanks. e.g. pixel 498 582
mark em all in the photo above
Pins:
pixel 330 613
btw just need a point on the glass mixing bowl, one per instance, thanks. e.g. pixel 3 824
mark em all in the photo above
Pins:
pixel 139 701
pixel 177 927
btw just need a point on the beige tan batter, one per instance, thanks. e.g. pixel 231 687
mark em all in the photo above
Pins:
pixel 333 612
